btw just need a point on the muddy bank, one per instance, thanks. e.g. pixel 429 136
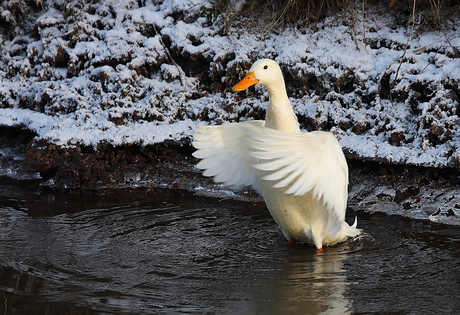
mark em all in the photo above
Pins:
pixel 87 170
pixel 416 192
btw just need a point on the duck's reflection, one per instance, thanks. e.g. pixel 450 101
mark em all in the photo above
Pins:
pixel 306 283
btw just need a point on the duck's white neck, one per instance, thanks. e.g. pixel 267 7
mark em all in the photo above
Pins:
pixel 280 115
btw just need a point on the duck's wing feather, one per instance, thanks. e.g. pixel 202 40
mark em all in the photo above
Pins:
pixel 225 153
pixel 312 161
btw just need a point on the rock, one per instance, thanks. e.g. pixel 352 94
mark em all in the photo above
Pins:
pixel 40 157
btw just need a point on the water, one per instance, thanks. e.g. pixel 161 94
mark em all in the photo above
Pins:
pixel 169 252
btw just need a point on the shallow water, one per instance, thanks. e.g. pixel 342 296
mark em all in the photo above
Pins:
pixel 171 252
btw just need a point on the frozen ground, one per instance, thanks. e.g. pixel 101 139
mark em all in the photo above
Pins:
pixel 118 72
pixel 142 72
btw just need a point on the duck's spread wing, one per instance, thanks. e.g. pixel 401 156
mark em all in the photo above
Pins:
pixel 305 162
pixel 225 153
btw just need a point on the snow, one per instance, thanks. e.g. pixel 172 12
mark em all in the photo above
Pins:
pixel 94 129
pixel 106 60
pixel 51 17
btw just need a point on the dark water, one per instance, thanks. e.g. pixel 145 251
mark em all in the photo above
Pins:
pixel 171 252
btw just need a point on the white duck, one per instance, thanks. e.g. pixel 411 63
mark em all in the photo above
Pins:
pixel 303 177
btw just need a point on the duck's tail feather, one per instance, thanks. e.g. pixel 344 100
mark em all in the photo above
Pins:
pixel 351 231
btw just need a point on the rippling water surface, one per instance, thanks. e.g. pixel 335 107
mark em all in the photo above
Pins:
pixel 172 252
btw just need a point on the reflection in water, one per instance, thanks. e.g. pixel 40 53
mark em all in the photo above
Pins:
pixel 176 253
pixel 305 283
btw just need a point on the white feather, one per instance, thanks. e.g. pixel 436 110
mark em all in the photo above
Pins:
pixel 224 153
pixel 317 164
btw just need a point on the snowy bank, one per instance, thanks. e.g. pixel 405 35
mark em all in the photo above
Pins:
pixel 113 71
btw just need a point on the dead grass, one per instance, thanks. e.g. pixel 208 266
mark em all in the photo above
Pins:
pixel 433 13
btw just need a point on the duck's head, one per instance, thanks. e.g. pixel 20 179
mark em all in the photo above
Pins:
pixel 263 71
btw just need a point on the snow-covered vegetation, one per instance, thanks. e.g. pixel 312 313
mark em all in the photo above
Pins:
pixel 146 71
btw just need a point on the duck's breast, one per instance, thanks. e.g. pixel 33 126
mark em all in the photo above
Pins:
pixel 300 217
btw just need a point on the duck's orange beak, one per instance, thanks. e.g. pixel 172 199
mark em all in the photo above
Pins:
pixel 248 80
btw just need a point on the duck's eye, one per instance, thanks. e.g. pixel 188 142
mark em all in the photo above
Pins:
pixel 265 67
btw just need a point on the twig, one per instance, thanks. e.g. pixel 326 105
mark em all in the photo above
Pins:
pixel 416 51
pixel 6 301
pixel 49 39
pixel 281 15
pixel 431 59
pixel 437 8
pixel 364 28
pixel 183 77
pixel 402 57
